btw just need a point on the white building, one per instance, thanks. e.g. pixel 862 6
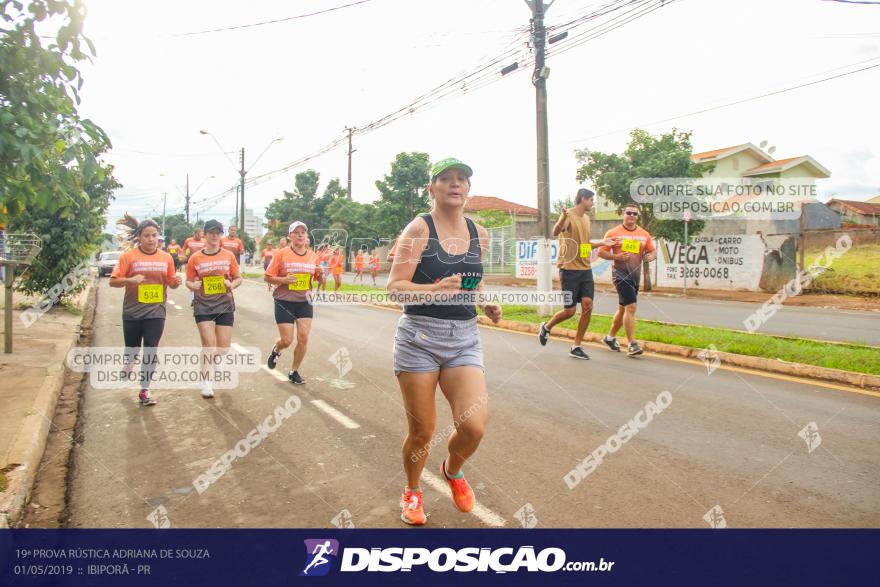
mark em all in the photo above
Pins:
pixel 253 225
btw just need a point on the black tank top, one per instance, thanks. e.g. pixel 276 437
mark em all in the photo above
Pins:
pixel 435 264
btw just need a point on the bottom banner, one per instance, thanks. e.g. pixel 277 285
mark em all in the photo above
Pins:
pixel 381 557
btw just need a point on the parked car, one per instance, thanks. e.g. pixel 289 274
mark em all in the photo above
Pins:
pixel 107 262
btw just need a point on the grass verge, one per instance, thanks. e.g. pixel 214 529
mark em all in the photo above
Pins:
pixel 848 357
pixel 857 272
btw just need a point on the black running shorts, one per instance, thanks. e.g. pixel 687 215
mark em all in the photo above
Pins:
pixel 289 312
pixel 577 282
pixel 627 291
pixel 222 319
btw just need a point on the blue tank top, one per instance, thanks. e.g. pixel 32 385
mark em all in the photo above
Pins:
pixel 435 264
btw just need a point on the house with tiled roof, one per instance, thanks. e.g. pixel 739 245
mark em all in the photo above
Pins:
pixel 856 212
pixel 747 160
pixel 524 218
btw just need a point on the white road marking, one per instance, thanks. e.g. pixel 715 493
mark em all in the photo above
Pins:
pixel 274 373
pixel 335 414
pixel 239 348
pixel 485 515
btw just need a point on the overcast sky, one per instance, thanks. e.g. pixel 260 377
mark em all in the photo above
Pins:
pixel 152 88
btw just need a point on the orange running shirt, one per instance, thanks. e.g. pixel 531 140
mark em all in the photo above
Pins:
pixel 147 299
pixel 233 245
pixel 191 245
pixel 287 262
pixel 214 297
pixel 637 238
pixel 336 264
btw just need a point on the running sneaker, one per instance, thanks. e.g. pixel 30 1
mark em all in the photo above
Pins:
pixel 612 343
pixel 207 390
pixel 146 398
pixel 577 352
pixel 273 358
pixel 543 334
pixel 294 377
pixel 411 511
pixel 634 349
pixel 462 494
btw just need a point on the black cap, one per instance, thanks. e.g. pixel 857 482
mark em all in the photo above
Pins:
pixel 213 225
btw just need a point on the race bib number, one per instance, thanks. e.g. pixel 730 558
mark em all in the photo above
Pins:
pixel 301 283
pixel 585 250
pixel 630 245
pixel 151 293
pixel 214 285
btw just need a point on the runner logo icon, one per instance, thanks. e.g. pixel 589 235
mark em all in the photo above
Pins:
pixel 320 553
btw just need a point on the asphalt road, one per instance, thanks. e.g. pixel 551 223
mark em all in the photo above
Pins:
pixel 727 439
pixel 798 321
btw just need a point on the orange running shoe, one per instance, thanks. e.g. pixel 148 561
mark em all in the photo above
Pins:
pixel 411 508
pixel 462 494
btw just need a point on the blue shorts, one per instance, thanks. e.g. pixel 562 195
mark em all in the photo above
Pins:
pixel 424 344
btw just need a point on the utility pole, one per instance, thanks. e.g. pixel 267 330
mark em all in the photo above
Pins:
pixel 241 215
pixel 350 151
pixel 187 198
pixel 539 79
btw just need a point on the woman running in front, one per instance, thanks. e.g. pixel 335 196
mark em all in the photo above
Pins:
pixel 146 273
pixel 212 273
pixel 291 272
pixel 440 344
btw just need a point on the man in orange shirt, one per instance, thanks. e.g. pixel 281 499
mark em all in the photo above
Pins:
pixel 193 244
pixel 233 244
pixel 293 270
pixel 633 244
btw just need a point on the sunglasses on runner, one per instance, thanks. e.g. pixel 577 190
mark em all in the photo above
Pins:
pixel 631 213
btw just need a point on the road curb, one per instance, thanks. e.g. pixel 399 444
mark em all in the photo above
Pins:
pixel 30 444
pixel 860 380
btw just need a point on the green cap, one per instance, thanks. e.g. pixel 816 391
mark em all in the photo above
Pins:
pixel 449 163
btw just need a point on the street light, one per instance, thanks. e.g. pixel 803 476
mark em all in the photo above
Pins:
pixel 242 172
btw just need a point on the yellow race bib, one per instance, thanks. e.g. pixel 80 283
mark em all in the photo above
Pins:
pixel 214 285
pixel 302 281
pixel 151 293
pixel 585 250
pixel 630 245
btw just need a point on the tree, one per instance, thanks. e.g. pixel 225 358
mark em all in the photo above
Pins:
pixel 403 193
pixel 667 155
pixel 494 218
pixel 302 204
pixel 558 205
pixel 48 153
pixel 356 218
pixel 69 243
pixel 176 227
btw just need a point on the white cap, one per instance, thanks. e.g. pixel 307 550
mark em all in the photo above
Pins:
pixel 296 224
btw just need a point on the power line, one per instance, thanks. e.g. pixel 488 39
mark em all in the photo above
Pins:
pixel 735 102
pixel 484 74
pixel 266 22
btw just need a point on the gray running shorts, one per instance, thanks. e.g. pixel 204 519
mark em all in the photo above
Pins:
pixel 424 344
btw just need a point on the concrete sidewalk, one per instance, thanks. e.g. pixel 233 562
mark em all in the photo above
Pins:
pixel 30 381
